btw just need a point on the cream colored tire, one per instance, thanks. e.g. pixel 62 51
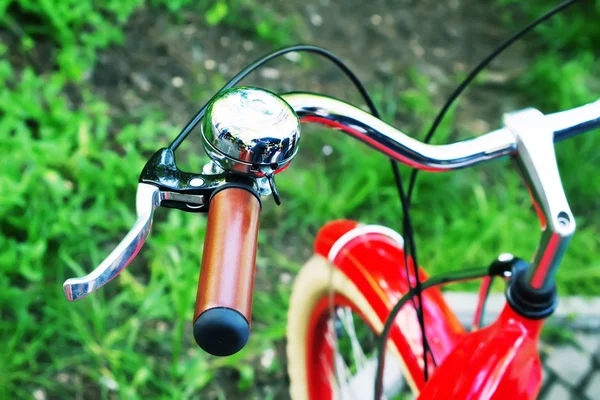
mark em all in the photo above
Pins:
pixel 311 284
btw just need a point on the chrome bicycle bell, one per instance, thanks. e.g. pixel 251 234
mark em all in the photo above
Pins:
pixel 250 131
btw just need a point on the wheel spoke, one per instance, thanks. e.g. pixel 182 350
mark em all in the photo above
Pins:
pixel 345 316
pixel 354 381
pixel 343 380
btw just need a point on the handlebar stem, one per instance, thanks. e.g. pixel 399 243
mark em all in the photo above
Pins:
pixel 536 160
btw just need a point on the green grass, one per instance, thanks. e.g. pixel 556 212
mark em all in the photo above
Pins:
pixel 68 180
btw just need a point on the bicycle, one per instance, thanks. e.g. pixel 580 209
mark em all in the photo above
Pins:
pixel 251 135
pixel 231 187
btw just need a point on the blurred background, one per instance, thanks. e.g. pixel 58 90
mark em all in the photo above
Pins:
pixel 89 90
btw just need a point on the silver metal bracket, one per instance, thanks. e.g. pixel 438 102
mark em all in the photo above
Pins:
pixel 190 200
pixel 536 160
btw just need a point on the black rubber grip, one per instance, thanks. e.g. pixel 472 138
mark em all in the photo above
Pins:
pixel 221 331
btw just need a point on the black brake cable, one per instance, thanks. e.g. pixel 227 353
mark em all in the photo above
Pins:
pixel 410 250
pixel 449 277
pixel 407 225
pixel 473 74
pixel 265 59
pixel 406 199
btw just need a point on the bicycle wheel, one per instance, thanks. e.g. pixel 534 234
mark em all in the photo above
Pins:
pixel 331 337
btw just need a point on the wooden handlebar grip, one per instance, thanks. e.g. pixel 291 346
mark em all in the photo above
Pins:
pixel 224 300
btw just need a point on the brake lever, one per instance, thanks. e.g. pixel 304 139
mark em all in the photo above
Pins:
pixel 161 183
pixel 147 200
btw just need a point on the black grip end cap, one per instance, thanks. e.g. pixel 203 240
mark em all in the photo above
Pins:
pixel 221 331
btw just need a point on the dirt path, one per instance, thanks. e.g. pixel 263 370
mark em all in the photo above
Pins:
pixel 177 66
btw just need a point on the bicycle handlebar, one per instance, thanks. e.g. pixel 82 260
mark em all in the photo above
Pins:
pixel 574 121
pixel 528 136
pixel 414 153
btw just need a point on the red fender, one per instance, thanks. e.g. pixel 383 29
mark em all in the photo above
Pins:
pixel 498 362
pixel 374 261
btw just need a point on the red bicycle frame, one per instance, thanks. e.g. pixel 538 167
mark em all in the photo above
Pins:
pixel 499 361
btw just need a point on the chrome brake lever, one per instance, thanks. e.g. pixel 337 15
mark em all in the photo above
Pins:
pixel 147 200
